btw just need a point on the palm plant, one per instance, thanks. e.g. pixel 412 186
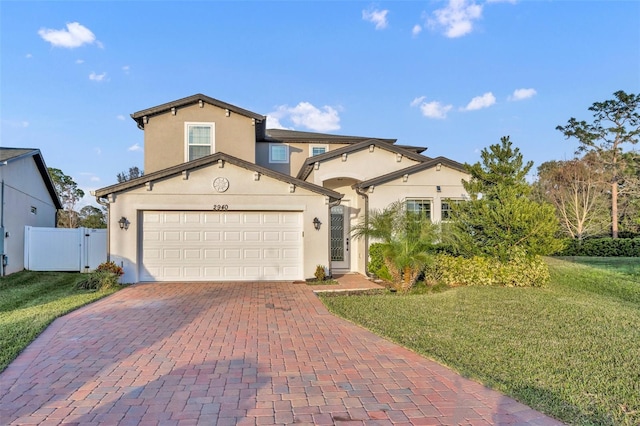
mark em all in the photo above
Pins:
pixel 406 239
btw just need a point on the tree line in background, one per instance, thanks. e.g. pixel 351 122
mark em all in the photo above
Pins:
pixel 70 195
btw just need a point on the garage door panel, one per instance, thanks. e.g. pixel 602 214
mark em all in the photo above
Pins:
pixel 170 236
pixel 216 246
pixel 213 236
pixel 233 236
pixel 251 236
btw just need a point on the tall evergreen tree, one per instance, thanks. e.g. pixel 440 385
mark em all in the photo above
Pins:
pixel 500 218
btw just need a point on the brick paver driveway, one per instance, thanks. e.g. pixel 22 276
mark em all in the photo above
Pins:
pixel 236 353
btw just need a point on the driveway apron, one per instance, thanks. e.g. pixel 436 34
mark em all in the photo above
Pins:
pixel 234 353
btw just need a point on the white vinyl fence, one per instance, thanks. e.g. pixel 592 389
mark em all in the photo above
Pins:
pixel 63 249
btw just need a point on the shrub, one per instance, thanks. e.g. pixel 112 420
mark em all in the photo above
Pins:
pixel 110 267
pixel 376 262
pixel 602 247
pixel 99 280
pixel 520 271
pixel 104 277
pixel 320 273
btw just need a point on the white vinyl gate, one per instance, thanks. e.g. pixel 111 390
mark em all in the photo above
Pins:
pixel 64 249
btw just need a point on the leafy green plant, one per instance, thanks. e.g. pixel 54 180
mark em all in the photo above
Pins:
pixel 99 280
pixel 320 273
pixel 405 241
pixel 602 247
pixel 519 271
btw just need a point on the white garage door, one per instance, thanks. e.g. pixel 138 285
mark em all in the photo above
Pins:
pixel 221 246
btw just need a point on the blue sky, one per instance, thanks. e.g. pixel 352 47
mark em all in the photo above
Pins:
pixel 454 76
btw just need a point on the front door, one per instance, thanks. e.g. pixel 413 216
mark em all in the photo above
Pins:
pixel 340 238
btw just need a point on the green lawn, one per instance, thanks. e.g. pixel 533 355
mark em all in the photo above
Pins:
pixel 571 350
pixel 30 301
pixel 625 265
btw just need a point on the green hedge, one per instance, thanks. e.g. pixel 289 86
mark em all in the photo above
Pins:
pixel 520 271
pixel 376 262
pixel 602 247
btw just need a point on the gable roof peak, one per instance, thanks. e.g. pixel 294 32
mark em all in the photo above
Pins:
pixel 138 117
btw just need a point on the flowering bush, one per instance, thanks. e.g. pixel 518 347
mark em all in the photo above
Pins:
pixel 110 267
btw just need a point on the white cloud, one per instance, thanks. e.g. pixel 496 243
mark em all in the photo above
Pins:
pixel 120 117
pixel 98 151
pixel 126 69
pixel 520 94
pixel 457 17
pixel 433 109
pixel 98 77
pixel 417 29
pixel 74 36
pixel 417 101
pixel 306 115
pixel 375 16
pixel 28 56
pixel 94 179
pixel 79 61
pixel 135 147
pixel 480 102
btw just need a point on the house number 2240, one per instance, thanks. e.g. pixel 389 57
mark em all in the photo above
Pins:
pixel 219 207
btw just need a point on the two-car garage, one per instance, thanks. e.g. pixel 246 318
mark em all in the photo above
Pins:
pixel 221 246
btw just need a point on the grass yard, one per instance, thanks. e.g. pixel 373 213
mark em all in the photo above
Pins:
pixel 30 301
pixel 571 350
pixel 625 265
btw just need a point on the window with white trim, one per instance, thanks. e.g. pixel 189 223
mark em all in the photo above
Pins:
pixel 278 153
pixel 445 208
pixel 317 150
pixel 421 207
pixel 199 140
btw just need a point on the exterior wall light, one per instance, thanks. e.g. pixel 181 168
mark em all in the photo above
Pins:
pixel 316 223
pixel 124 223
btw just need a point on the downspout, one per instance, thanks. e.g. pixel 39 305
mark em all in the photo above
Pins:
pixel 106 204
pixel 366 224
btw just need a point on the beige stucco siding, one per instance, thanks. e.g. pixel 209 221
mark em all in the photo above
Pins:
pixel 361 165
pixel 197 194
pixel 164 135
pixel 23 189
pixel 421 185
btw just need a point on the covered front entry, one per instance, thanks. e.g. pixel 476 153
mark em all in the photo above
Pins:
pixel 221 246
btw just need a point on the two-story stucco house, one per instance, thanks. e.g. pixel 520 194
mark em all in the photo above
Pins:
pixel 224 198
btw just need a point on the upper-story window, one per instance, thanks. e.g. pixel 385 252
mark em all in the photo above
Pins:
pixel 199 140
pixel 317 150
pixel 278 153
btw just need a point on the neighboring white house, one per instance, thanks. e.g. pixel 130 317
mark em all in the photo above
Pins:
pixel 224 198
pixel 27 198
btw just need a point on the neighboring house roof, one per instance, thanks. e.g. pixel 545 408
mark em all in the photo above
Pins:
pixel 282 135
pixel 307 167
pixel 190 100
pixel 430 163
pixel 9 155
pixel 206 161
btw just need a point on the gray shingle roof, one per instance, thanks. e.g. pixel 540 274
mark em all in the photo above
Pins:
pixel 282 135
